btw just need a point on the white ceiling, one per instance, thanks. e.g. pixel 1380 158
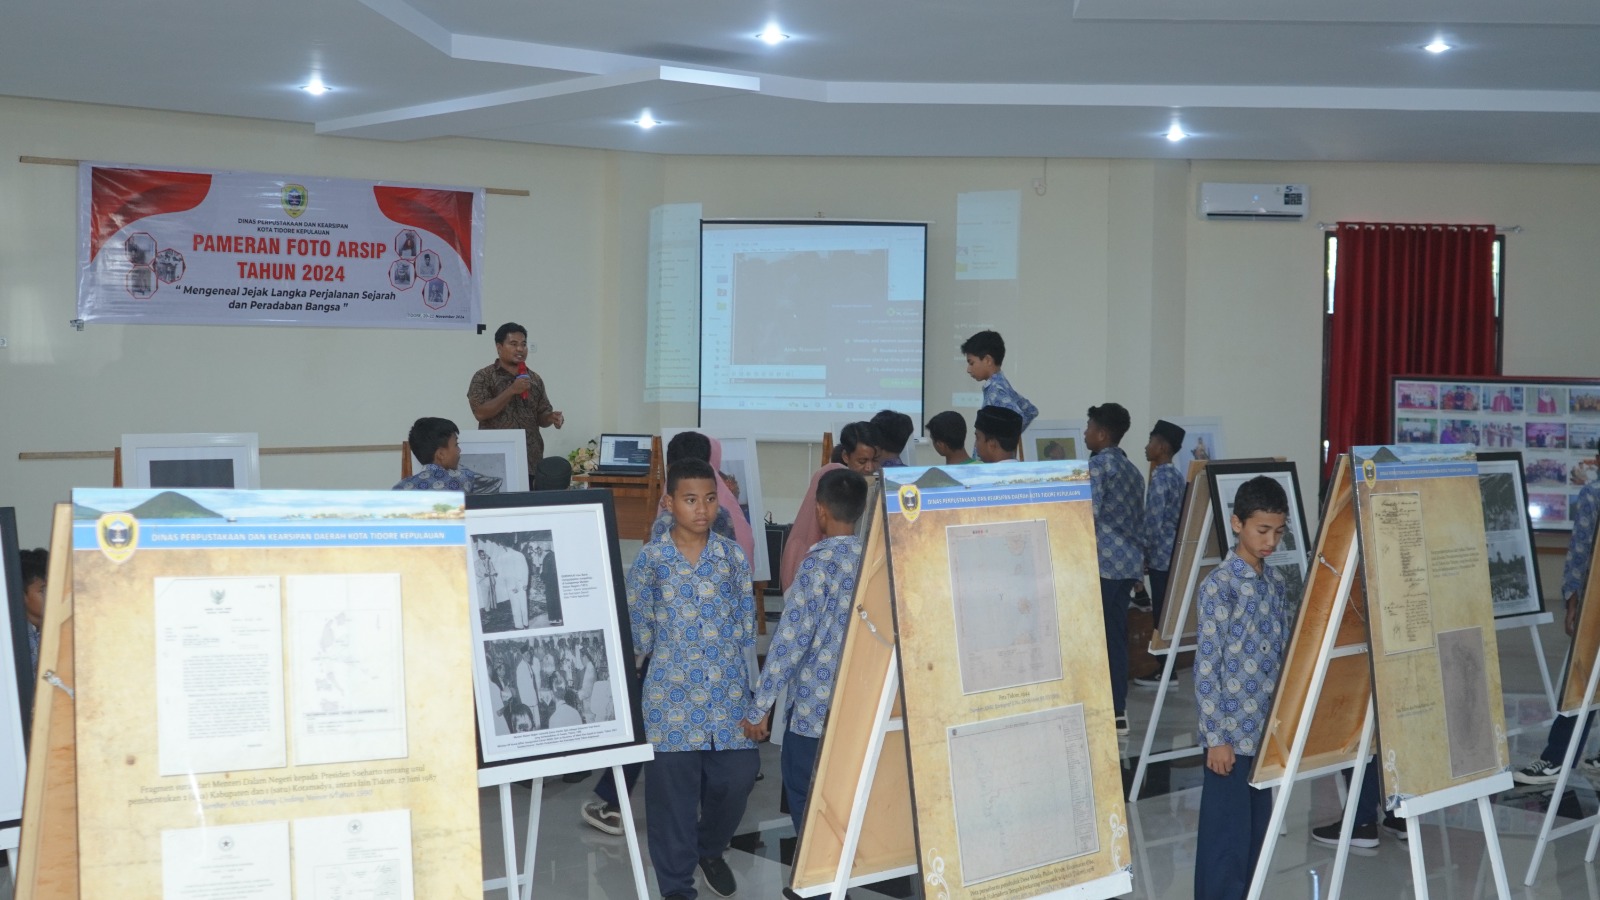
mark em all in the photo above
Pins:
pixel 1249 79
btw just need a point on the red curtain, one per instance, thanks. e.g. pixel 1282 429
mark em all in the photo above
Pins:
pixel 1408 300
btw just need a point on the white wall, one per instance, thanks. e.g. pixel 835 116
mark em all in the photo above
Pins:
pixel 1123 293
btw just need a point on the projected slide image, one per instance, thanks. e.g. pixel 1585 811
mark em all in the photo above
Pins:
pixel 794 304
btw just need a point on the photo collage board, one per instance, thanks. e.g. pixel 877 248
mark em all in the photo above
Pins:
pixel 1554 423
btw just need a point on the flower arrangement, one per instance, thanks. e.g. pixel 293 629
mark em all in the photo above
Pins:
pixel 585 459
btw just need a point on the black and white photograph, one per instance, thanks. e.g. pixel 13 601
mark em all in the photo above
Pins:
pixel 553 666
pixel 406 244
pixel 498 453
pixel 550 682
pixel 1513 569
pixel 169 266
pixel 215 460
pixel 400 274
pixel 517 583
pixel 490 469
pixel 428 264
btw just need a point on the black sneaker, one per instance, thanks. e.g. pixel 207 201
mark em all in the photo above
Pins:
pixel 1395 826
pixel 1363 836
pixel 1540 771
pixel 1150 680
pixel 1122 725
pixel 719 878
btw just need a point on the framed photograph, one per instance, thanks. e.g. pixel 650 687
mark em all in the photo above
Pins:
pixel 498 453
pixel 218 460
pixel 742 472
pixel 1049 440
pixel 1513 564
pixel 552 647
pixel 1226 477
pixel 16 683
pixel 1555 422
pixel 1202 440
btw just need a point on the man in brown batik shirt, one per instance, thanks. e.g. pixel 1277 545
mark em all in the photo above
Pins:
pixel 507 394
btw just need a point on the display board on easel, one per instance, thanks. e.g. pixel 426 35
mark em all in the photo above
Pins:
pixel 857 824
pixel 264 670
pixel 47 861
pixel 1430 622
pixel 1016 778
pixel 16 682
pixel 1196 542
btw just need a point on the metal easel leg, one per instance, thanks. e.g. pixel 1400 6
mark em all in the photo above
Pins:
pixel 625 807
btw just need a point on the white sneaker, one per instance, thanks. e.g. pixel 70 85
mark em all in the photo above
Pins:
pixel 1540 771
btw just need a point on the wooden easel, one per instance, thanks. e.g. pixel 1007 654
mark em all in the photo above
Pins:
pixel 1339 532
pixel 1582 662
pixel 47 867
pixel 857 824
pixel 1197 550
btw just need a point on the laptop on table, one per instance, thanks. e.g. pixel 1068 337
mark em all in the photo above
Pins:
pixel 624 454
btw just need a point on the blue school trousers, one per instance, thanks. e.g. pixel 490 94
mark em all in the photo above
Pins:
pixel 798 762
pixel 1114 607
pixel 693 801
pixel 1233 824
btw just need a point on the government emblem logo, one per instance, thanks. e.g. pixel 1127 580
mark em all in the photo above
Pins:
pixel 118 534
pixel 910 502
pixel 295 197
pixel 1369 470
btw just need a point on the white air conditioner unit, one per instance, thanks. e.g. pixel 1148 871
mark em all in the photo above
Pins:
pixel 1253 201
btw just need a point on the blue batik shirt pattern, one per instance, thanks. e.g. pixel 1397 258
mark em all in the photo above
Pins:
pixel 1163 503
pixel 806 646
pixel 435 477
pixel 694 622
pixel 1118 513
pixel 1585 509
pixel 999 392
pixel 1245 618
pixel 720 525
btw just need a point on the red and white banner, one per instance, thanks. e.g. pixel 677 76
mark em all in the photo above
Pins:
pixel 197 247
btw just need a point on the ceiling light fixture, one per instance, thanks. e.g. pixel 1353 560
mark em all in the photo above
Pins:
pixel 1175 133
pixel 315 87
pixel 772 35
pixel 646 121
pixel 1438 46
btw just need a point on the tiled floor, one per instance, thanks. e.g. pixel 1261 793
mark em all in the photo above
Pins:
pixel 575 861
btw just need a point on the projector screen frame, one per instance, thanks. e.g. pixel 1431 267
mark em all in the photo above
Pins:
pixel 805 435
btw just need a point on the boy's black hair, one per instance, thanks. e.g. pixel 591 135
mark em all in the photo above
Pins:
pixel 857 433
pixel 1260 494
pixel 844 493
pixel 1113 418
pixel 1002 425
pixel 688 445
pixel 895 428
pixel 986 343
pixel 838 454
pixel 948 428
pixel 553 473
pixel 35 566
pixel 506 330
pixel 428 435
pixel 689 470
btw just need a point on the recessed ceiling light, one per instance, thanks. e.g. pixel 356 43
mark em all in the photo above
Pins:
pixel 1438 46
pixel 772 35
pixel 1175 133
pixel 315 87
pixel 646 121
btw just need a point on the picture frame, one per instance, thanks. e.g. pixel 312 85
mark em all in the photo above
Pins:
pixel 500 453
pixel 228 460
pixel 1202 440
pixel 555 689
pixel 1047 437
pixel 1291 557
pixel 16 683
pixel 1512 556
pixel 1553 422
pixel 739 460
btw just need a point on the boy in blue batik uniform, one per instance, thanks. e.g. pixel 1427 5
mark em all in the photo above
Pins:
pixel 805 651
pixel 1163 504
pixel 436 444
pixel 986 353
pixel 1245 617
pixel 690 604
pixel 1119 534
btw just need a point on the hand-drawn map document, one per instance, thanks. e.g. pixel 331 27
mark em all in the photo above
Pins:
pixel 226 862
pixel 362 856
pixel 1004 592
pixel 1022 792
pixel 1466 702
pixel 349 668
pixel 219 674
